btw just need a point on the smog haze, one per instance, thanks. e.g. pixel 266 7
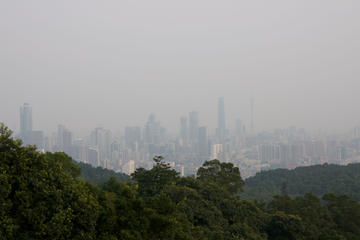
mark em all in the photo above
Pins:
pixel 112 63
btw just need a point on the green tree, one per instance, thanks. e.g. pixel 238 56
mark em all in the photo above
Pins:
pixel 152 182
pixel 346 214
pixel 224 174
pixel 285 227
pixel 40 196
pixel 123 215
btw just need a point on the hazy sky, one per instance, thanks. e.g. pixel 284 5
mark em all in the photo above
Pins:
pixel 87 63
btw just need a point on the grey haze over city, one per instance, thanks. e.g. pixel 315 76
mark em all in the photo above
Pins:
pixel 88 63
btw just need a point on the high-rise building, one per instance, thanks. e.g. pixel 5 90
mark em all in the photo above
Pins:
pixel 331 150
pixel 102 139
pixel 239 134
pixel 129 167
pixel 221 129
pixel 184 129
pixel 116 158
pixel 26 125
pixel 238 128
pixel 93 156
pixel 356 133
pixel 27 134
pixel 66 141
pixel 79 150
pixel 203 142
pixel 59 138
pixel 193 126
pixel 152 131
pixel 269 153
pixel 36 138
pixel 216 150
pixel 132 137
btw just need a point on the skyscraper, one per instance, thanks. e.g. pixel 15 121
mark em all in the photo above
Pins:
pixel 59 138
pixel 238 127
pixel 102 139
pixel 239 134
pixel 36 138
pixel 25 120
pixel 193 126
pixel 66 141
pixel 221 130
pixel 152 130
pixel 203 142
pixel 132 137
pixel 184 129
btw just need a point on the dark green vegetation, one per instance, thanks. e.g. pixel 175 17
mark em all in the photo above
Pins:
pixel 318 180
pixel 43 197
pixel 99 175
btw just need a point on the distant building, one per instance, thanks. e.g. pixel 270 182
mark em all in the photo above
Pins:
pixel 101 139
pixel 182 171
pixel 79 152
pixel 26 124
pixel 132 137
pixel 184 131
pixel 93 156
pixel 356 133
pixel 36 138
pixel 269 153
pixel 193 126
pixel 66 141
pixel 59 143
pixel 203 142
pixel 153 131
pixel 341 154
pixel 63 140
pixel 129 167
pixel 216 150
pixel 27 134
pixel 25 119
pixel 221 129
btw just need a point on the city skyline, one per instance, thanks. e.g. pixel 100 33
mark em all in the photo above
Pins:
pixel 194 144
pixel 219 112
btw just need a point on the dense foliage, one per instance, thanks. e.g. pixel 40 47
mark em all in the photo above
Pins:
pixel 318 180
pixel 99 175
pixel 43 197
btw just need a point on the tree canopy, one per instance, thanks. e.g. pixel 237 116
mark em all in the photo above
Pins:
pixel 99 175
pixel 224 174
pixel 317 179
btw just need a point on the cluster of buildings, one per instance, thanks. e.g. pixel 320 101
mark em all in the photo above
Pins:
pixel 193 145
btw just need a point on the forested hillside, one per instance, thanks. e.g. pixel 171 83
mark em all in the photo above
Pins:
pixel 43 197
pixel 99 175
pixel 318 180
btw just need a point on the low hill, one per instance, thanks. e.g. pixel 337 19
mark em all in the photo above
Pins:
pixel 98 175
pixel 317 179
